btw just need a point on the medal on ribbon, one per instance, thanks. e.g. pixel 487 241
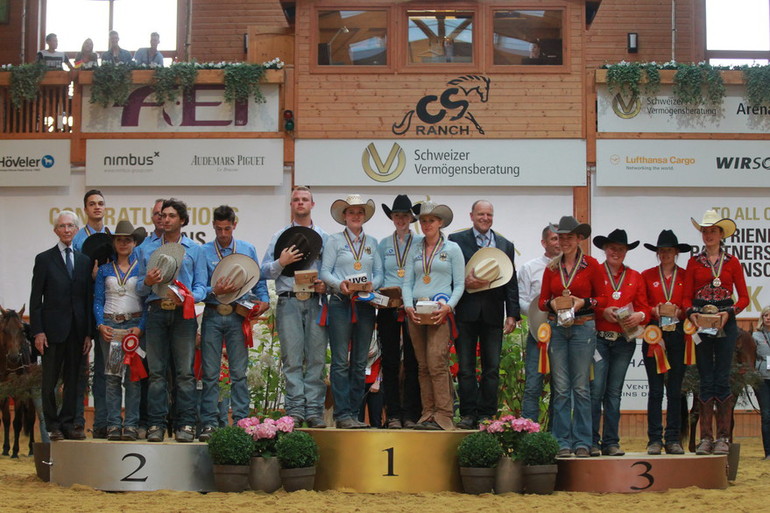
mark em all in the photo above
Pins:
pixel 543 339
pixel 615 285
pixel 566 279
pixel 356 253
pixel 401 256
pixel 427 261
pixel 122 278
pixel 654 338
pixel 219 251
pixel 133 357
pixel 716 270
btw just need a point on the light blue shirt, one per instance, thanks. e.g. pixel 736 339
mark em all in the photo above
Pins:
pixel 337 263
pixel 272 269
pixel 212 260
pixel 142 56
pixel 490 235
pixel 387 253
pixel 82 234
pixel 192 273
pixel 447 274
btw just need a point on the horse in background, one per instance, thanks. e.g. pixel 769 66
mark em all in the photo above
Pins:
pixel 15 361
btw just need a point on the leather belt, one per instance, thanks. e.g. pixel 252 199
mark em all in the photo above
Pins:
pixel 123 317
pixel 610 335
pixel 302 296
pixel 221 309
pixel 164 304
pixel 579 321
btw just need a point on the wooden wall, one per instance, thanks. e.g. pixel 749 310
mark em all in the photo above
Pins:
pixel 10 34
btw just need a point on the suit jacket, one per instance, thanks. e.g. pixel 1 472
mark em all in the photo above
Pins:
pixel 491 306
pixel 58 303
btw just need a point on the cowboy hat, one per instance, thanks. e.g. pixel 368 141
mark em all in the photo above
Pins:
pixel 568 224
pixel 428 208
pixel 617 236
pixel 667 239
pixel 492 265
pixel 241 270
pixel 306 240
pixel 353 200
pixel 99 248
pixel 168 258
pixel 125 228
pixel 711 218
pixel 402 204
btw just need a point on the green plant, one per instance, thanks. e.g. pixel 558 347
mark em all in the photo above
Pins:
pixel 167 81
pixel 111 84
pixel 480 450
pixel 509 431
pixel 230 445
pixel 25 82
pixel 625 78
pixel 538 448
pixel 690 81
pixel 296 450
pixel 264 377
pixel 242 82
pixel 757 84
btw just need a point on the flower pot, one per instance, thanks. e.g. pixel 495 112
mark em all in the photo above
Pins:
pixel 294 479
pixel 509 476
pixel 733 457
pixel 265 474
pixel 477 480
pixel 231 478
pixel 540 479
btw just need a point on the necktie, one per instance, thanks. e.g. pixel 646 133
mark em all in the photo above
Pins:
pixel 483 240
pixel 70 266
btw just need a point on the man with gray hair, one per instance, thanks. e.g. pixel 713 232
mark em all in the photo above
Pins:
pixel 62 324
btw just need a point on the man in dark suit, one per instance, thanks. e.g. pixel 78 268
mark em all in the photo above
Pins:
pixel 482 317
pixel 61 318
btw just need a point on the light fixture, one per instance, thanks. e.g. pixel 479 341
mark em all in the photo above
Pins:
pixel 342 30
pixel 632 42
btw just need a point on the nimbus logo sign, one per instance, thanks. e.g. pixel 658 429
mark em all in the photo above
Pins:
pixel 46 161
pixel 131 160
pixel 626 109
pixel 383 171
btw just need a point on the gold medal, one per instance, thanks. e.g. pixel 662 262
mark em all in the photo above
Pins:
pixel 357 266
pixel 565 292
pixel 426 279
pixel 401 255
pixel 401 273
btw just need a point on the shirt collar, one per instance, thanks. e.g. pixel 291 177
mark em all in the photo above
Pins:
pixel 353 237
pixel 490 234
pixel 63 246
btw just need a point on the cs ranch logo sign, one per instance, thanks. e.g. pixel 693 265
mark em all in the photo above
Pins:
pixel 451 105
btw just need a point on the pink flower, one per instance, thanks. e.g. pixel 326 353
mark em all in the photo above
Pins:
pixel 285 424
pixel 265 430
pixel 495 427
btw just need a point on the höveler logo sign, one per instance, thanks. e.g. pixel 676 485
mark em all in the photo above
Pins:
pixel 383 171
pixel 453 104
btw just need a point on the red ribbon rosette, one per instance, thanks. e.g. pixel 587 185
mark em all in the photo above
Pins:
pixel 132 356
pixel 654 336
pixel 188 301
pixel 543 339
pixel 252 316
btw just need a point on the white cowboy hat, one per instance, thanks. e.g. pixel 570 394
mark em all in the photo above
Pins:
pixel 339 206
pixel 492 265
pixel 241 270
pixel 428 208
pixel 711 218
pixel 168 258
pixel 535 317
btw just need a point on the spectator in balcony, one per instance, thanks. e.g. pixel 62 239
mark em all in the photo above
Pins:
pixel 116 54
pixel 150 56
pixel 50 57
pixel 86 58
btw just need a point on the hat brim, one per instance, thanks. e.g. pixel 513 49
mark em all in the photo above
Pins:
pixel 313 239
pixel 443 212
pixel 681 247
pixel 223 269
pixel 583 229
pixel 601 240
pixel 728 226
pixel 389 212
pixel 98 247
pixel 173 250
pixel 339 206
pixel 138 235
pixel 503 261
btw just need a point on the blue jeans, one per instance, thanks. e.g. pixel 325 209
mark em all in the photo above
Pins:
pixel 533 385
pixel 478 396
pixel 215 329
pixel 114 396
pixel 98 389
pixel 348 377
pixel 762 390
pixel 607 387
pixel 170 337
pixel 714 357
pixel 672 380
pixel 571 351
pixel 303 355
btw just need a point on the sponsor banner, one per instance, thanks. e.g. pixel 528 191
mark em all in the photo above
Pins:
pixel 205 110
pixel 664 113
pixel 682 163
pixel 457 162
pixel 211 162
pixel 34 163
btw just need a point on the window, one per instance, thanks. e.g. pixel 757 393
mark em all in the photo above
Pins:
pixel 440 37
pixel 527 37
pixel 738 32
pixel 358 38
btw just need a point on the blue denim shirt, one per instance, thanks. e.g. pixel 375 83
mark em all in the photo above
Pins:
pixel 271 269
pixel 212 259
pixel 387 253
pixel 100 295
pixel 338 261
pixel 447 275
pixel 142 56
pixel 192 273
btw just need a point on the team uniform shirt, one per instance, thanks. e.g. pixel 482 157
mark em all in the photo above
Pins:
pixel 82 234
pixel 271 269
pixel 633 290
pixel 192 273
pixel 587 284
pixel 699 282
pixel 142 56
pixel 338 260
pixel 447 274
pixel 387 253
pixel 655 293
pixel 107 297
pixel 212 258
pixel 530 280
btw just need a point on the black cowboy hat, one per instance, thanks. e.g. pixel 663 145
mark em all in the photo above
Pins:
pixel 568 224
pixel 402 204
pixel 617 236
pixel 98 247
pixel 667 239
pixel 306 240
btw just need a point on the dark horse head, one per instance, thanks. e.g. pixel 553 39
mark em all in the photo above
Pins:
pixel 14 354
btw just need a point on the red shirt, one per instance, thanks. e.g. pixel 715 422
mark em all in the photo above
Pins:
pixel 698 279
pixel 587 284
pixel 655 294
pixel 632 290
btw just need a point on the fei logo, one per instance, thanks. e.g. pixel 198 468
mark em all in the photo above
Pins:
pixel 626 109
pixel 47 161
pixel 383 171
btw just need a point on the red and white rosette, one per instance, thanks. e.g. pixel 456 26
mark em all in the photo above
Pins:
pixel 543 339
pixel 133 355
pixel 654 338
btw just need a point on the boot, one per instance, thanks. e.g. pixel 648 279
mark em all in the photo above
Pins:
pixel 724 424
pixel 706 420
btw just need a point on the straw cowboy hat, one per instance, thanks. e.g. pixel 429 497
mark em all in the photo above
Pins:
pixel 428 208
pixel 568 224
pixel 402 204
pixel 168 258
pixel 616 236
pixel 711 218
pixel 668 239
pixel 306 240
pixel 241 270
pixel 491 265
pixel 125 228
pixel 353 200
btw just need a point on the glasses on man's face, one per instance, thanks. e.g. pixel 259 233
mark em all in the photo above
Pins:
pixel 67 226
pixel 157 214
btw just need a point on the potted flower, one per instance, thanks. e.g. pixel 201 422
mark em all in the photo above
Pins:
pixel 478 454
pixel 264 471
pixel 538 453
pixel 230 451
pixel 509 432
pixel 298 453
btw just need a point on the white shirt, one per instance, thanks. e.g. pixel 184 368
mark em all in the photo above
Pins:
pixel 62 249
pixel 530 278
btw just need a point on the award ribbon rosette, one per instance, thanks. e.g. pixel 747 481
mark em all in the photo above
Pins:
pixel 690 341
pixel 133 357
pixel 543 339
pixel 653 335
pixel 249 319
pixel 188 301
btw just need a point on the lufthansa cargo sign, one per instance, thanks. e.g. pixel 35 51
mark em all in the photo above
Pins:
pixel 34 163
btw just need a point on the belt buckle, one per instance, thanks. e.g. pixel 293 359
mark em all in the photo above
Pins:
pixel 120 317
pixel 670 327
pixel 167 304
pixel 224 309
pixel 709 309
pixel 302 296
